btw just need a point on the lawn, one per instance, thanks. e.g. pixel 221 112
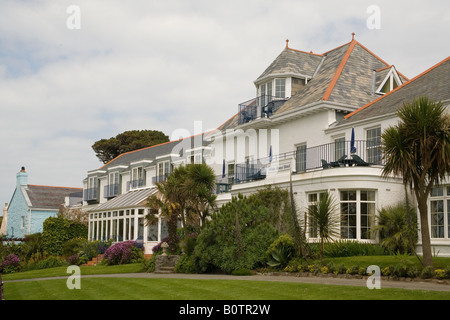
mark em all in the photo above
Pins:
pixel 122 288
pixel 187 289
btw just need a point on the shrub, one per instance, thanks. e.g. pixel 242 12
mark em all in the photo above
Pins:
pixel 399 270
pixel 280 251
pixel 56 231
pixel 242 272
pixel 237 236
pixel 440 274
pixel 123 253
pixel 348 248
pixel 149 265
pixel 10 264
pixel 353 270
pixel 324 270
pixel 44 263
pixel 74 246
pixel 427 272
pixel 73 260
pixel 185 265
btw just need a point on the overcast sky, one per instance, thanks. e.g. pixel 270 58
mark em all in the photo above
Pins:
pixel 162 65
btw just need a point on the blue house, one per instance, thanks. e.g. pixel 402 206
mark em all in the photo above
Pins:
pixel 31 205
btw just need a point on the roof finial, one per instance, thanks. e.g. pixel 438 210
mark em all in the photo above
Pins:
pixel 353 36
pixel 287 43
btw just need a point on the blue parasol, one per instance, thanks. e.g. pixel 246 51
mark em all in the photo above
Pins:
pixel 352 142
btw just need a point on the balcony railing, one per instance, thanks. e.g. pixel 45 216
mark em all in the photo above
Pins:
pixel 160 178
pixel 90 194
pixel 260 107
pixel 134 184
pixel 327 156
pixel 111 190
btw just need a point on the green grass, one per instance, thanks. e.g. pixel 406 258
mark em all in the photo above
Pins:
pixel 186 289
pixel 62 271
pixel 181 289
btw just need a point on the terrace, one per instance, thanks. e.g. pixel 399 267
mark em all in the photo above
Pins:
pixel 260 107
pixel 360 153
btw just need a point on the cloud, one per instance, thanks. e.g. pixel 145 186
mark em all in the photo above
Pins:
pixel 164 64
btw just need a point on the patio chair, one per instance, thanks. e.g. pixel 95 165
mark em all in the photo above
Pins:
pixel 359 161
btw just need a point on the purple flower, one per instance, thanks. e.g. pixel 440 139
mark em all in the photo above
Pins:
pixel 119 253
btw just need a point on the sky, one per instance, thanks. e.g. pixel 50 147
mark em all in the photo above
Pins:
pixel 76 71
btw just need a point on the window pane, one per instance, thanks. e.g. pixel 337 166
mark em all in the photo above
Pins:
pixel 152 232
pixel 301 158
pixel 437 192
pixel 448 218
pixel 280 91
pixel 437 219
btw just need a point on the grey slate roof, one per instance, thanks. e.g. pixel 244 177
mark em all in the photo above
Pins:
pixel 434 83
pixel 134 198
pixel 292 61
pixel 151 153
pixel 344 76
pixel 46 197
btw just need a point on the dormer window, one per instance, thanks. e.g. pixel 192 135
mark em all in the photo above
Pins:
pixel 137 177
pixel 390 82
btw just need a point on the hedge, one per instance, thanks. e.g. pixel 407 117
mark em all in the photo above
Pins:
pixel 59 230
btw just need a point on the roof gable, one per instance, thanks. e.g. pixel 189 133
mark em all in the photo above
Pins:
pixel 434 83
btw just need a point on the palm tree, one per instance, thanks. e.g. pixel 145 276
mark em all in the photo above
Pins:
pixel 418 149
pixel 199 186
pixel 322 216
pixel 160 203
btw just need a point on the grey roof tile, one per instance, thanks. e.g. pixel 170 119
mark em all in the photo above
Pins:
pixel 345 76
pixel 434 83
pixel 47 197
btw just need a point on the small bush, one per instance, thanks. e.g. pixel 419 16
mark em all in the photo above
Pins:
pixel 149 265
pixel 185 265
pixel 440 274
pixel 427 272
pixel 45 263
pixel 73 260
pixel 242 272
pixel 10 264
pixel 353 270
pixel 123 253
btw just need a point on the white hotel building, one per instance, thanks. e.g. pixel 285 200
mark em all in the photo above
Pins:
pixel 299 126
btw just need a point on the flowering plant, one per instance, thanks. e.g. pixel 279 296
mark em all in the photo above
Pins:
pixel 10 264
pixel 122 252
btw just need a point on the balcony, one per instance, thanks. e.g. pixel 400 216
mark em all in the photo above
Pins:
pixel 134 184
pixel 90 194
pixel 160 178
pixel 260 107
pixel 328 156
pixel 111 190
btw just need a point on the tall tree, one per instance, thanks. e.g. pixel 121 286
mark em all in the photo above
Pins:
pixel 162 204
pixel 418 149
pixel 108 149
pixel 199 185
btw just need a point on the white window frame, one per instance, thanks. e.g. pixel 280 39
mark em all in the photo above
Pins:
pixel 444 198
pixel 374 154
pixel 392 77
pixel 358 201
pixel 280 87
